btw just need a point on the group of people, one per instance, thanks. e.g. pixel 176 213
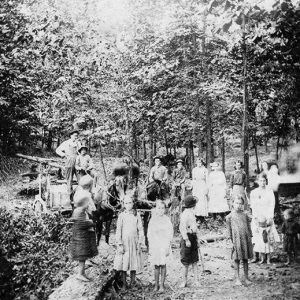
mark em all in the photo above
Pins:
pixel 251 237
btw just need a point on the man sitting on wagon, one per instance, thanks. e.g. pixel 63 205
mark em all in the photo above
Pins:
pixel 157 187
pixel 179 177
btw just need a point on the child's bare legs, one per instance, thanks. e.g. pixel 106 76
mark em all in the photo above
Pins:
pixel 82 275
pixel 237 272
pixel 124 275
pixel 163 273
pixel 255 257
pixel 262 258
pixel 132 278
pixel 156 277
pixel 186 271
pixel 195 271
pixel 268 257
pixel 246 271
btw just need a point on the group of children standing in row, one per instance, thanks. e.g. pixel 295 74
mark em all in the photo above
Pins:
pixel 243 233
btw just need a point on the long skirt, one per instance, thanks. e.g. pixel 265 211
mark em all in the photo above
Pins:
pixel 189 255
pixel 200 192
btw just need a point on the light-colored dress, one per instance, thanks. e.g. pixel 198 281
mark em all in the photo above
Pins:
pixel 262 203
pixel 217 202
pixel 199 175
pixel 160 234
pixel 130 234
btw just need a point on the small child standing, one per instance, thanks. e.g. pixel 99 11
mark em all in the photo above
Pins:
pixel 129 239
pixel 189 242
pixel 266 237
pixel 83 241
pixel 239 229
pixel 160 234
pixel 290 229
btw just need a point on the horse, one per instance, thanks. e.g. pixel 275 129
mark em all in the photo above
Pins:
pixel 108 203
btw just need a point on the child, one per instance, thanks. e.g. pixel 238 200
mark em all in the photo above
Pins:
pixel 266 236
pixel 129 239
pixel 84 164
pixel 290 229
pixel 160 234
pixel 85 185
pixel 238 225
pixel 83 242
pixel 189 242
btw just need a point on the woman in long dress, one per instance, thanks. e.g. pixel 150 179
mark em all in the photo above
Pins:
pixel 199 183
pixel 217 203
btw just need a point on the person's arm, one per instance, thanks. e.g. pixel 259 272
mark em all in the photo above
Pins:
pixel 165 177
pixel 77 163
pixel 150 231
pixel 90 163
pixel 271 205
pixel 151 175
pixel 140 229
pixel 61 149
pixel 229 227
pixel 119 230
pixel 182 227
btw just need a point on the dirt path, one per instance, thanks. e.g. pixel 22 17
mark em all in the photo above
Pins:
pixel 269 282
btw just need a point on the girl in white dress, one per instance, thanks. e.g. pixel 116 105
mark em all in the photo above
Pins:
pixel 129 239
pixel 199 176
pixel 217 202
pixel 160 234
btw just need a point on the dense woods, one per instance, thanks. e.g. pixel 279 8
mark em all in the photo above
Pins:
pixel 142 75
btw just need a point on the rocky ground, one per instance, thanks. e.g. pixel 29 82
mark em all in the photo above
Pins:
pixel 273 281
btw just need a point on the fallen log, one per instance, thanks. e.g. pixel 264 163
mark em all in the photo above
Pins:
pixel 49 161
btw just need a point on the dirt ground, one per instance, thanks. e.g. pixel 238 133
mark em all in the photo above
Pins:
pixel 273 281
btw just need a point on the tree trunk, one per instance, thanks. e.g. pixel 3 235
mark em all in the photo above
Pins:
pixel 277 148
pixel 192 156
pixel 102 162
pixel 144 149
pixel 256 154
pixel 151 144
pixel 49 140
pixel 154 148
pixel 174 150
pixel 209 148
pixel 223 154
pixel 200 145
pixel 166 141
pixel 245 129
pixel 187 158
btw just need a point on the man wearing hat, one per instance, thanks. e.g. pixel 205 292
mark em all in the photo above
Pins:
pixel 158 172
pixel 84 164
pixel 157 178
pixel 68 150
pixel 179 175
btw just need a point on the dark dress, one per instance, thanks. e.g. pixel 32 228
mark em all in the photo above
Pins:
pixel 189 255
pixel 239 229
pixel 290 229
pixel 83 242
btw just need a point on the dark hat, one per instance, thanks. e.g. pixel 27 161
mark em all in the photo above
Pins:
pixel 179 160
pixel 189 201
pixel 73 131
pixel 83 147
pixel 156 157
